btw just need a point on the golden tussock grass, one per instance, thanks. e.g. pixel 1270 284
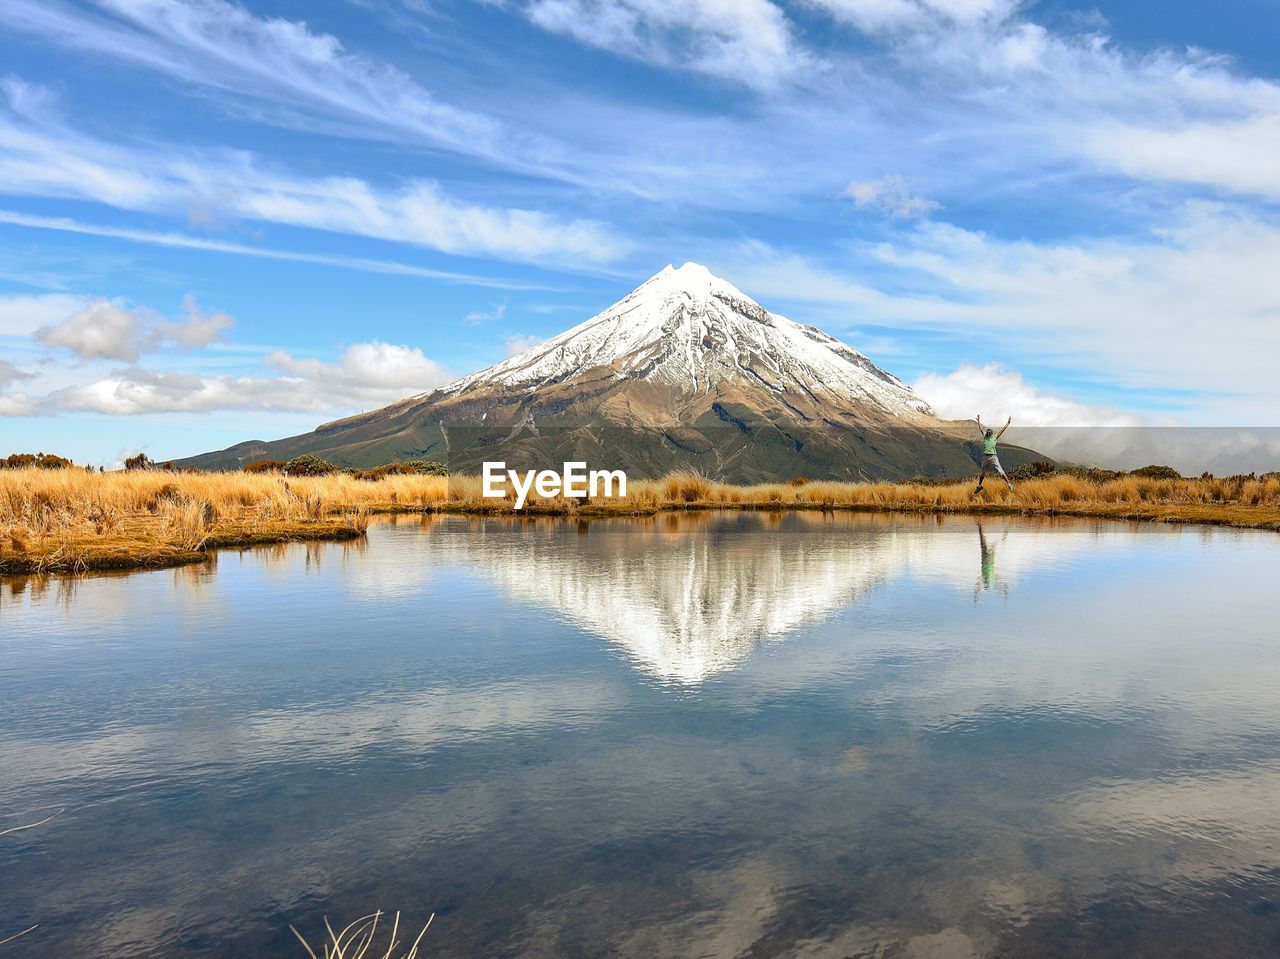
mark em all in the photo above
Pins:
pixel 74 519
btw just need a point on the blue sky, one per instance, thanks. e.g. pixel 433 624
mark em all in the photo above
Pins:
pixel 223 221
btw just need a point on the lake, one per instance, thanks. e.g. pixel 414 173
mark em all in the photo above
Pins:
pixel 691 735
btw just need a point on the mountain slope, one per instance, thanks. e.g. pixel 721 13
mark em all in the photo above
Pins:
pixel 685 372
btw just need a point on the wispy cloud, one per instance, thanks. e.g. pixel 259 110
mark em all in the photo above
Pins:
pixel 929 76
pixel 888 16
pixel 222 46
pixel 186 242
pixel 41 156
pixel 747 41
pixel 1237 155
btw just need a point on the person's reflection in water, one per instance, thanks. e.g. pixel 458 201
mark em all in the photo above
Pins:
pixel 989 578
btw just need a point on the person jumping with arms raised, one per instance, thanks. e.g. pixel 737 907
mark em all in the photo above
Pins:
pixel 990 461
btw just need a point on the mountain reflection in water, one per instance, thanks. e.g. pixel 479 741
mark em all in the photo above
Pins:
pixel 706 734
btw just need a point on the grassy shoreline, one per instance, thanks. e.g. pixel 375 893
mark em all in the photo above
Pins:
pixel 60 520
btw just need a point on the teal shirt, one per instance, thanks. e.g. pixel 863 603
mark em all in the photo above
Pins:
pixel 989 444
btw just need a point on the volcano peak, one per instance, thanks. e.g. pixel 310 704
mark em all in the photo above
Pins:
pixel 696 334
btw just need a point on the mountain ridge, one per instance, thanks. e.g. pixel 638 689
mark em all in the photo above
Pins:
pixel 686 371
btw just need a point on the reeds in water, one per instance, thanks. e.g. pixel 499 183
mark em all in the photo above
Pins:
pixel 356 939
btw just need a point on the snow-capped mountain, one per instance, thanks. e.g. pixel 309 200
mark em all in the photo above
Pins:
pixel 685 372
pixel 695 332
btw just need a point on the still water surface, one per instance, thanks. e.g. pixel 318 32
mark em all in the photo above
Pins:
pixel 713 735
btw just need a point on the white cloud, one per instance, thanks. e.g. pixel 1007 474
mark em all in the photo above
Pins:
pixel 367 375
pixel 40 156
pixel 382 368
pixel 748 41
pixel 101 330
pixel 996 393
pixel 891 195
pixel 518 343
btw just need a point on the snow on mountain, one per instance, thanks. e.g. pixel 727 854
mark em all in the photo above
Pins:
pixel 695 332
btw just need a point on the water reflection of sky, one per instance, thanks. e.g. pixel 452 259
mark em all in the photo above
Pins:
pixel 798 734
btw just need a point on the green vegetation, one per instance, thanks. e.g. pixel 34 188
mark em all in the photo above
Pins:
pixel 309 465
pixel 408 468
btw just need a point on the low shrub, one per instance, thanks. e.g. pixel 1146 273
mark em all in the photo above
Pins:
pixel 264 466
pixel 407 468
pixel 426 467
pixel 140 462
pixel 1156 472
pixel 309 465
pixel 1026 471
pixel 1091 473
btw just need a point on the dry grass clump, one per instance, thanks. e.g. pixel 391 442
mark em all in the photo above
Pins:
pixel 356 939
pixel 71 520
pixel 686 488
pixel 1244 501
